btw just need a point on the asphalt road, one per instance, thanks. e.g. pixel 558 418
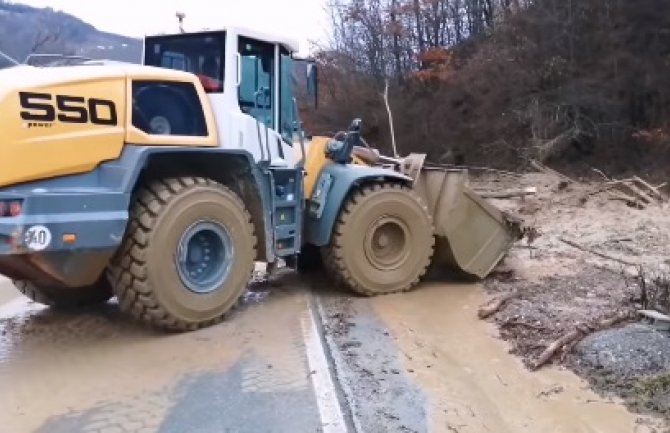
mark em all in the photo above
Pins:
pixel 93 371
pixel 294 358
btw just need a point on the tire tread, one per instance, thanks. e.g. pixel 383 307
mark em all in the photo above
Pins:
pixel 334 254
pixel 128 270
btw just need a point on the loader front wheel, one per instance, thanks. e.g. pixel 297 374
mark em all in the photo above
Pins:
pixel 187 256
pixel 383 241
pixel 66 297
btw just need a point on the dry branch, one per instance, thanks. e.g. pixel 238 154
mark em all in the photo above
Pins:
pixel 543 168
pixel 516 322
pixel 600 172
pixel 643 196
pixel 597 253
pixel 654 190
pixel 602 188
pixel 495 305
pixel 630 201
pixel 570 339
pixel 390 114
pixel 510 194
pixel 633 191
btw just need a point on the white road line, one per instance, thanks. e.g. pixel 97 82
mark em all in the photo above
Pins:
pixel 330 412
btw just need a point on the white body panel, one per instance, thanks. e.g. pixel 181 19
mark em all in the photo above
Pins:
pixel 241 131
pixel 238 130
pixel 290 44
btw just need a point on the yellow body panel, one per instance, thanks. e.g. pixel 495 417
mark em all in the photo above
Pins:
pixel 67 120
pixel 315 162
pixel 32 149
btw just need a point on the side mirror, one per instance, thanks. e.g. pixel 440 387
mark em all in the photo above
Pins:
pixel 313 83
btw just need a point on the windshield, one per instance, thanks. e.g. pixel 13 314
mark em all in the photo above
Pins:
pixel 201 54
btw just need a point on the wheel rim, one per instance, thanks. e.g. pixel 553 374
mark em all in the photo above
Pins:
pixel 386 243
pixel 160 125
pixel 204 257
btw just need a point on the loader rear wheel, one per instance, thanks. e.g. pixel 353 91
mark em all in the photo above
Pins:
pixel 383 241
pixel 187 256
pixel 66 297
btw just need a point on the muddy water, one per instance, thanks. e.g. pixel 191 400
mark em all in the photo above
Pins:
pixel 7 292
pixel 474 385
pixel 94 369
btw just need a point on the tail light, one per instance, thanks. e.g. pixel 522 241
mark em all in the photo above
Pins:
pixel 11 208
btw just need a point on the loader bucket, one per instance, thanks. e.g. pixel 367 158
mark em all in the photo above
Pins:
pixel 472 235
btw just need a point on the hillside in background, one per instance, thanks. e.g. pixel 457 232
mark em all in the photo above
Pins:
pixel 25 30
pixel 579 84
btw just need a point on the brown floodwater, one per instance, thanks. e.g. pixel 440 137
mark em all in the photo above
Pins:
pixel 471 381
pixel 56 364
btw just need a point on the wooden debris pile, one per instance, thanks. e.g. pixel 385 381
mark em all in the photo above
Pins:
pixel 635 192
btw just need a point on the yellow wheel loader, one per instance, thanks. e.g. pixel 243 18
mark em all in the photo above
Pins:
pixel 162 184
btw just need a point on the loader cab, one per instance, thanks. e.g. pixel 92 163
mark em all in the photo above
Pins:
pixel 250 80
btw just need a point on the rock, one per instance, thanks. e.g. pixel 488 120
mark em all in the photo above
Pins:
pixel 633 350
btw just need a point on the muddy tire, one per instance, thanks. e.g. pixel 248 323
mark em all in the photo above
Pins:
pixel 382 242
pixel 187 256
pixel 65 297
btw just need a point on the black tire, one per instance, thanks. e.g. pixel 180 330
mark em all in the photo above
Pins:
pixel 67 297
pixel 383 241
pixel 145 275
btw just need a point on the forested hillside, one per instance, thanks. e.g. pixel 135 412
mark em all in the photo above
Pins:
pixel 25 30
pixel 581 83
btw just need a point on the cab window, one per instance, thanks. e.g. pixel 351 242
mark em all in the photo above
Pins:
pixel 202 55
pixel 257 93
pixel 287 119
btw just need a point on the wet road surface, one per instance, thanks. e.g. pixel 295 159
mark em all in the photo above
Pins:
pixel 93 371
pixel 471 382
pixel 291 359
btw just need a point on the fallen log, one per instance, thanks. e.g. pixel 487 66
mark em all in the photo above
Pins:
pixel 654 190
pixel 634 191
pixel 495 305
pixel 573 337
pixel 543 168
pixel 643 196
pixel 597 253
pixel 510 194
pixel 514 322
pixel 630 201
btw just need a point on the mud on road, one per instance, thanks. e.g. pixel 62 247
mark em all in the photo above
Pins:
pixel 422 361
pixel 414 362
pixel 94 371
pixel 561 286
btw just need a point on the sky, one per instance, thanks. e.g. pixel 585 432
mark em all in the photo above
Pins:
pixel 304 20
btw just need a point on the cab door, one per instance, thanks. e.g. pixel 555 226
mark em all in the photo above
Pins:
pixel 258 98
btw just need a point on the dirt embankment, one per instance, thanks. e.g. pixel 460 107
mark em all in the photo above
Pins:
pixel 581 269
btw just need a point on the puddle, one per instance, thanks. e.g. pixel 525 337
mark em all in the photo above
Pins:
pixel 7 292
pixel 474 385
pixel 54 364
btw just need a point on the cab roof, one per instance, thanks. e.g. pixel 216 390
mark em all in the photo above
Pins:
pixel 291 44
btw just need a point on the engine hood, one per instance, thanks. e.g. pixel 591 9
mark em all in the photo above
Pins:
pixel 26 76
pixel 59 120
pixel 63 120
